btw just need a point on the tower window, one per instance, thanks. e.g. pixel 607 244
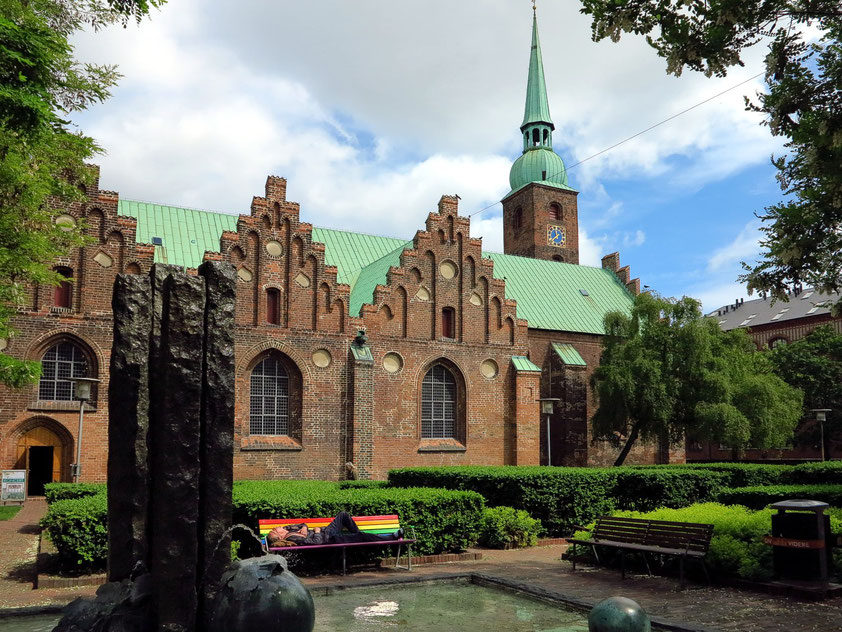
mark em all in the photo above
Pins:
pixel 555 211
pixel 543 175
pixel 517 219
pixel 546 136
pixel 448 322
pixel 273 304
pixel 63 293
pixel 536 137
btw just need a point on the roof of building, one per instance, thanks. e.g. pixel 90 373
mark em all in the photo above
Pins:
pixel 541 165
pixel 524 364
pixel 762 311
pixel 568 354
pixel 549 294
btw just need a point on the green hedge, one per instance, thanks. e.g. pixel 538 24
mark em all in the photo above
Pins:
pixel 65 491
pixel 508 528
pixel 761 497
pixel 563 497
pixel 822 473
pixel 443 520
pixel 362 484
pixel 737 548
pixel 736 474
pixel 78 529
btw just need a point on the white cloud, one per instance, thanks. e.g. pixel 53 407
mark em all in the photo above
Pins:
pixel 632 240
pixel 744 246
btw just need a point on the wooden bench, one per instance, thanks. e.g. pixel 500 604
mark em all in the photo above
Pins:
pixel 367 524
pixel 680 539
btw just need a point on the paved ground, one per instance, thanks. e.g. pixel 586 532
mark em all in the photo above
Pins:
pixel 697 606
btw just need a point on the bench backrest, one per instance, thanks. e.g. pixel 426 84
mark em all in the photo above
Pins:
pixel 369 524
pixel 662 533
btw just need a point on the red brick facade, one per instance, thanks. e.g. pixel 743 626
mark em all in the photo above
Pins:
pixel 354 407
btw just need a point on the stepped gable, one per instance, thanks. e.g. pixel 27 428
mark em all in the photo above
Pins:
pixel 406 293
pixel 273 250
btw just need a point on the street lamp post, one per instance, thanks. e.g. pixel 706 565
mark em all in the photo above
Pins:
pixel 821 417
pixel 82 391
pixel 547 405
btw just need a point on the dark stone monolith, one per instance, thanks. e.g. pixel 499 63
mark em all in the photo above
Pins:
pixel 174 451
pixel 217 445
pixel 128 424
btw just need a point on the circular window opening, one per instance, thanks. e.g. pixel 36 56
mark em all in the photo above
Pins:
pixel 489 368
pixel 448 269
pixel 322 358
pixel 245 274
pixel 274 248
pixel 392 362
pixel 66 222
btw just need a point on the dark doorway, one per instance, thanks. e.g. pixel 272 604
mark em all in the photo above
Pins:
pixel 40 469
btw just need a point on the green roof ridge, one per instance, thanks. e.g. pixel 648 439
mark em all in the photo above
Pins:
pixel 371 276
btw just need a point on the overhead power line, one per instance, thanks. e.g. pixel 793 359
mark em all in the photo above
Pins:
pixel 643 131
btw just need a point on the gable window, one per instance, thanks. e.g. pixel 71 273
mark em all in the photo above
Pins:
pixel 273 306
pixel 448 322
pixel 61 363
pixel 63 292
pixel 269 399
pixel 438 404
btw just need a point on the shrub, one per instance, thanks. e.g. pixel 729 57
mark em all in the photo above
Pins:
pixel 508 528
pixel 563 497
pixel 821 473
pixel 362 484
pixel 65 491
pixel 78 529
pixel 735 474
pixel 443 520
pixel 761 497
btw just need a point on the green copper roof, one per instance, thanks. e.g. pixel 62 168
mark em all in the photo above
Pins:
pixel 186 233
pixel 540 165
pixel 351 252
pixel 537 106
pixel 548 293
pixel 522 363
pixel 568 354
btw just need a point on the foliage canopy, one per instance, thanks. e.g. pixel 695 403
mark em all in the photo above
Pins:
pixel 666 370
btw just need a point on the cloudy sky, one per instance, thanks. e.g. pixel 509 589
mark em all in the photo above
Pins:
pixel 373 109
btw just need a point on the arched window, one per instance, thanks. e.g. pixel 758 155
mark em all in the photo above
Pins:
pixel 61 362
pixel 517 218
pixel 269 399
pixel 555 211
pixel 558 258
pixel 546 136
pixel 777 342
pixel 63 293
pixel 273 306
pixel 438 404
pixel 536 137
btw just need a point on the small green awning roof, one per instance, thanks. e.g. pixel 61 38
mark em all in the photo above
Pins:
pixel 522 363
pixel 568 354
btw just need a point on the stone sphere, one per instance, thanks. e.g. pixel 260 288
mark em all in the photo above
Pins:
pixel 618 614
pixel 261 594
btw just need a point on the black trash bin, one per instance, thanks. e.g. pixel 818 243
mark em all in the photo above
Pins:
pixel 801 539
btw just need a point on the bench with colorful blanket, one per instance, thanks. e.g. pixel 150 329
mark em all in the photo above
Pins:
pixel 366 524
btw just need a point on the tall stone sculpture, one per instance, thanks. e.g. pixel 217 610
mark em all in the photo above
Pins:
pixel 170 466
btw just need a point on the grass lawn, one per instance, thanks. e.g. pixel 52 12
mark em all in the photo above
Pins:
pixel 8 512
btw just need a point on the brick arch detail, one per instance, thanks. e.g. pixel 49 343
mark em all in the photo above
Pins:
pixel 39 420
pixel 450 362
pixel 462 390
pixel 39 346
pixel 251 356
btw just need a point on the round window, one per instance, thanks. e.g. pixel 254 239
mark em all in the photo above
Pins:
pixel 274 248
pixel 66 222
pixel 448 269
pixel 392 362
pixel 489 368
pixel 321 358
pixel 245 274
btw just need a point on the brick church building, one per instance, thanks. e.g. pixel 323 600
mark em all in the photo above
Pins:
pixel 458 346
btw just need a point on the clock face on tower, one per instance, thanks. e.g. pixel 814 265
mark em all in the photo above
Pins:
pixel 555 236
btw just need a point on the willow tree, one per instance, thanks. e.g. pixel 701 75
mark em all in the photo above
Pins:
pixel 666 369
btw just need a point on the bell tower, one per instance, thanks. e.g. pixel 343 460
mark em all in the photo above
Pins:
pixel 540 215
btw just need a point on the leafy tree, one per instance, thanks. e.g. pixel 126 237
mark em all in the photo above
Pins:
pixel 42 157
pixel 814 364
pixel 802 239
pixel 666 370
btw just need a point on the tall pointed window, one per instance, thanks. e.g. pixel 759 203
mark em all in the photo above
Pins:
pixel 61 363
pixel 438 404
pixel 517 218
pixel 448 322
pixel 269 399
pixel 63 292
pixel 273 306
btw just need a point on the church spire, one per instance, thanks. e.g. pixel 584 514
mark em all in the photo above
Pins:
pixel 537 106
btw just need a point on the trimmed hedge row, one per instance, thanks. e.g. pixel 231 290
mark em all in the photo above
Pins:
pixel 821 473
pixel 78 529
pixel 443 520
pixel 737 548
pixel 563 497
pixel 761 497
pixel 65 491
pixel 736 474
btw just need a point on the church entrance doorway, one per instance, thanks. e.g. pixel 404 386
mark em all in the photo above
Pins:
pixel 41 453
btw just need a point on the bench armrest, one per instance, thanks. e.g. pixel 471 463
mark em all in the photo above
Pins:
pixel 579 527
